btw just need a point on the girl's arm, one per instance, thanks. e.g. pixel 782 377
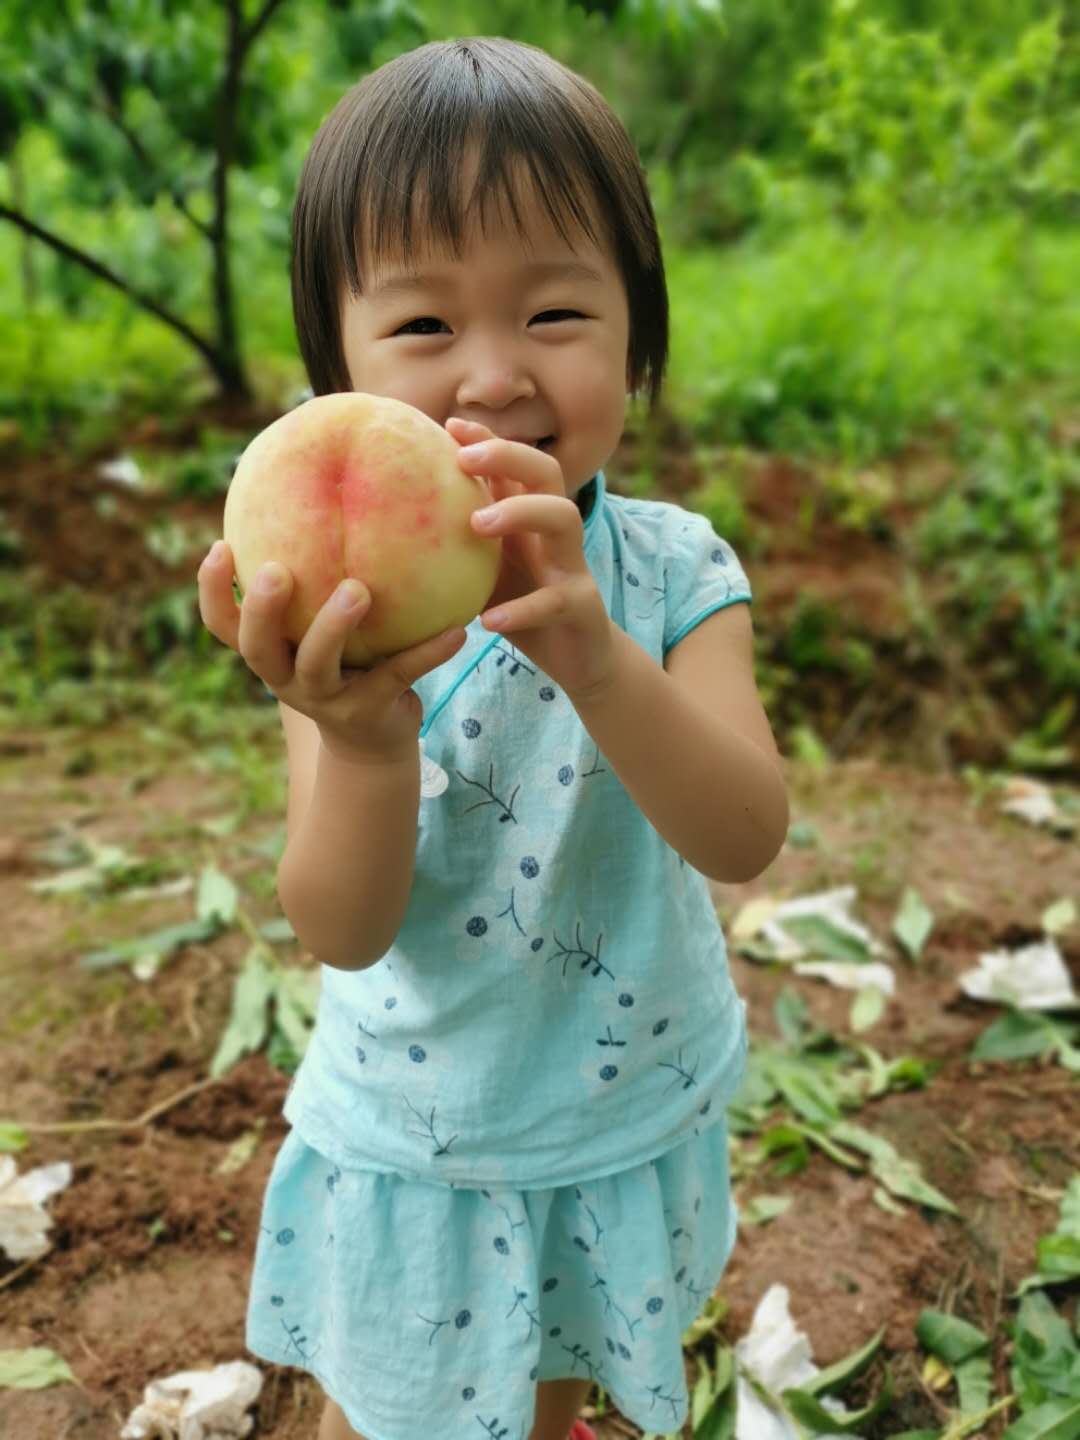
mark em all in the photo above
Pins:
pixel 347 871
pixel 691 744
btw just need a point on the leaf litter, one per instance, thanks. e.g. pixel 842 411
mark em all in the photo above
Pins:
pixel 900 1137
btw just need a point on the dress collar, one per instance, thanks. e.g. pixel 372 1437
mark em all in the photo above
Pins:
pixel 590 501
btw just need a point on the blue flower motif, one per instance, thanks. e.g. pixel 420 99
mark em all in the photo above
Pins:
pixel 462 1318
pixel 547 692
pixel 655 1305
pixel 626 1000
pixel 529 867
pixel 417 1053
pixel 500 1245
pixel 477 926
pixel 566 775
pixel 659 1027
pixel 471 729
pixel 286 1236
pixel 608 1072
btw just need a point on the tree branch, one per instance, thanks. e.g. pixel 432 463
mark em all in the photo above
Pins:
pixel 109 109
pixel 249 35
pixel 96 267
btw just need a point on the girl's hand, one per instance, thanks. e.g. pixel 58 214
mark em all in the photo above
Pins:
pixel 545 597
pixel 362 715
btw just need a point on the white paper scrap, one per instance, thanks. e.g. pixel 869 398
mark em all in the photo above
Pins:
pixel 778 1355
pixel 848 975
pixel 197 1405
pixel 23 1220
pixel 1031 801
pixel 1031 978
pixel 832 905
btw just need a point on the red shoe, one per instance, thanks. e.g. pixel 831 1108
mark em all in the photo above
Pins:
pixel 580 1431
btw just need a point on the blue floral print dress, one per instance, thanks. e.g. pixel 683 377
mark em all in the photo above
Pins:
pixel 508 1159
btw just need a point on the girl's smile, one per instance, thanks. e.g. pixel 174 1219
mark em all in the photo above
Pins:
pixel 527 338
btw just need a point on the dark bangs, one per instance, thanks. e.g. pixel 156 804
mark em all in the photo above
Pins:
pixel 385 179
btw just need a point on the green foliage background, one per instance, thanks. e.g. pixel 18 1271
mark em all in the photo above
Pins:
pixel 869 210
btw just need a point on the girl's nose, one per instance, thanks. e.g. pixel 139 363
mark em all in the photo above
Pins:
pixel 492 378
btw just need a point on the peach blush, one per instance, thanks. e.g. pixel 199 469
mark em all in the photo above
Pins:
pixel 357 486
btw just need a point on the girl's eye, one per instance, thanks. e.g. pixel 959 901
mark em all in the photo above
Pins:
pixel 428 325
pixel 549 315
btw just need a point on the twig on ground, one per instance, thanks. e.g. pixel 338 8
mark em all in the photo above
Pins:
pixel 63 1127
pixel 22 1269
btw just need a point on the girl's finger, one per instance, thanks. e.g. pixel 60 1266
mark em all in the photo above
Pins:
pixel 217 604
pixel 400 672
pixel 261 639
pixel 319 657
pixel 531 468
pixel 546 606
pixel 555 518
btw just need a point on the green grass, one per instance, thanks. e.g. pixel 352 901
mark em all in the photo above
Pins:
pixel 846 342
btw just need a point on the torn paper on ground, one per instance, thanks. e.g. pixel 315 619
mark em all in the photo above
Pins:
pixel 23 1220
pixel 777 1354
pixel 197 1405
pixel 765 917
pixel 1031 978
pixel 1032 801
pixel 849 975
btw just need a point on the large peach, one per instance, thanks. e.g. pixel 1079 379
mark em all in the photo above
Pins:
pixel 360 486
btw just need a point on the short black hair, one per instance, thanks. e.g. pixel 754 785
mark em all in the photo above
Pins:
pixel 386 166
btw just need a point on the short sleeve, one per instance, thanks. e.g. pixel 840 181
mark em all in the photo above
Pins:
pixel 702 573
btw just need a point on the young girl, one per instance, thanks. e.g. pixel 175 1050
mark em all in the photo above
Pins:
pixel 506 1178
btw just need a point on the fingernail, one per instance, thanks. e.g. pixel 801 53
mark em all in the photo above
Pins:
pixel 487 516
pixel 475 452
pixel 348 595
pixel 270 578
pixel 217 553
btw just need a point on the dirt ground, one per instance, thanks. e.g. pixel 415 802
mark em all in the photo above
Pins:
pixel 152 1242
pixel 151 1245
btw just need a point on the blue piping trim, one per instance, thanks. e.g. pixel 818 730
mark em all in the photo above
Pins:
pixel 722 605
pixel 447 696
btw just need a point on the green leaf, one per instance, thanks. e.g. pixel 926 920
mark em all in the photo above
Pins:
pixel 296 992
pixel 974 1384
pixel 217 896
pixel 913 922
pixel 801 1087
pixel 867 1008
pixel 158 942
pixel 719 1421
pixel 950 1338
pixel 763 1208
pixel 840 1373
pixel 248 1022
pixel 819 936
pixel 1056 1420
pixel 32 1369
pixel 12 1138
pixel 1058 1258
pixel 1016 1035
pixel 809 1411
pixel 896 1173
pixel 1069 1223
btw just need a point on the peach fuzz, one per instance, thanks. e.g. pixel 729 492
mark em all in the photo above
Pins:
pixel 356 486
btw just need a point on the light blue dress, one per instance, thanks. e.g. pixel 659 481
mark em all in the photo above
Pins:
pixel 508 1160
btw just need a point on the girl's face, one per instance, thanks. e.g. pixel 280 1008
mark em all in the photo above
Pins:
pixel 530 342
